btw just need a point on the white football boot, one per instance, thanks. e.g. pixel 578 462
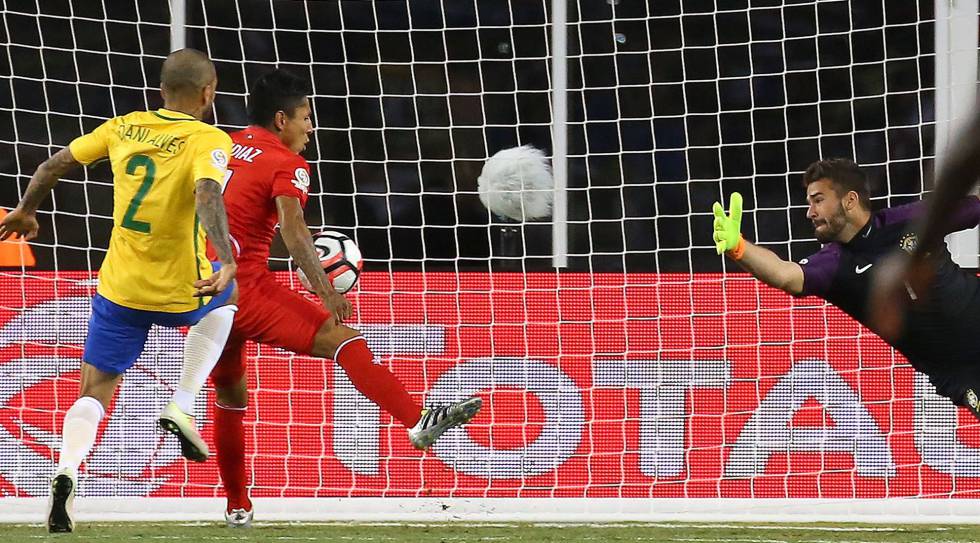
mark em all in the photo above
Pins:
pixel 239 518
pixel 435 421
pixel 180 424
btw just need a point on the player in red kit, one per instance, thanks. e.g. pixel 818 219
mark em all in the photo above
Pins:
pixel 269 184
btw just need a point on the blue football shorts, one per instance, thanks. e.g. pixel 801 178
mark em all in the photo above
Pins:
pixel 117 334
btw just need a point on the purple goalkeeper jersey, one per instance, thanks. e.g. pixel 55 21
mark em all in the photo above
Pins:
pixel 941 337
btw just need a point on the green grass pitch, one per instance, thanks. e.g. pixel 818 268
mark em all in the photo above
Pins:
pixel 499 533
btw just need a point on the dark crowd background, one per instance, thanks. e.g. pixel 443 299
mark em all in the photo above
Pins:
pixel 672 105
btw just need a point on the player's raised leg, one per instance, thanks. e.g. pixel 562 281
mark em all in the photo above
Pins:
pixel 376 382
pixel 202 349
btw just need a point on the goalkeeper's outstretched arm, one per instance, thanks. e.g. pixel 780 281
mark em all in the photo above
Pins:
pixel 762 263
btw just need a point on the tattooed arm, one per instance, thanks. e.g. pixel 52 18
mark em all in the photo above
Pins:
pixel 211 212
pixel 23 220
pixel 299 242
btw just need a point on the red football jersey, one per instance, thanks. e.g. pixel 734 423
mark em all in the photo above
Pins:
pixel 260 169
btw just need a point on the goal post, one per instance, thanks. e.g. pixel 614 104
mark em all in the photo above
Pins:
pixel 178 30
pixel 956 95
pixel 559 121
pixel 628 372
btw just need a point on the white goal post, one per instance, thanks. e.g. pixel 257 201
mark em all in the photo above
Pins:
pixel 956 97
pixel 628 372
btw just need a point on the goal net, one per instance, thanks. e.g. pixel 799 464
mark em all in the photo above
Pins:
pixel 647 375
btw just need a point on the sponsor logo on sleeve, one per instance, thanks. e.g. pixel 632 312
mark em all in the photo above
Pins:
pixel 219 159
pixel 301 180
pixel 909 242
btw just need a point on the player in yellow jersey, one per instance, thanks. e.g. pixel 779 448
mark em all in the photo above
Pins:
pixel 168 169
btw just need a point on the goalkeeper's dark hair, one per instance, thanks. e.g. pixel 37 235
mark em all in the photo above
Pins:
pixel 844 174
pixel 278 90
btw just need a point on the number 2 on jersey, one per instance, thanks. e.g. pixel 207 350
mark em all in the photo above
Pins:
pixel 135 163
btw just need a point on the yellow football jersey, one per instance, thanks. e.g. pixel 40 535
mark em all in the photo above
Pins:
pixel 157 248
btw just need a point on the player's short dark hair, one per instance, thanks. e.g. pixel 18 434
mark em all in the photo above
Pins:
pixel 844 174
pixel 278 90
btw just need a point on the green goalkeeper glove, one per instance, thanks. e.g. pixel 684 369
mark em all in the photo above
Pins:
pixel 728 235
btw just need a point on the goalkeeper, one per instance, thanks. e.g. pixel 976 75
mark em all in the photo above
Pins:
pixel 940 333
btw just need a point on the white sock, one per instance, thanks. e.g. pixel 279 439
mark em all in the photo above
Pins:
pixel 78 434
pixel 202 349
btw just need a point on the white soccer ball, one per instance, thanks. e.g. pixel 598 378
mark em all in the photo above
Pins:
pixel 517 183
pixel 340 258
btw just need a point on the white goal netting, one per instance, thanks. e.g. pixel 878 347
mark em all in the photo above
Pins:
pixel 641 370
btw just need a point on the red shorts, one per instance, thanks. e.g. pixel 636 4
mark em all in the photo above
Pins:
pixel 271 314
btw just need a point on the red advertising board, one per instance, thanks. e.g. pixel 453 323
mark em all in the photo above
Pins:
pixel 601 385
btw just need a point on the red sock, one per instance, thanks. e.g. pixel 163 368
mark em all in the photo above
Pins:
pixel 229 438
pixel 376 382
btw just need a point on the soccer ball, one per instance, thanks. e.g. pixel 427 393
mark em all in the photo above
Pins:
pixel 516 183
pixel 340 258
